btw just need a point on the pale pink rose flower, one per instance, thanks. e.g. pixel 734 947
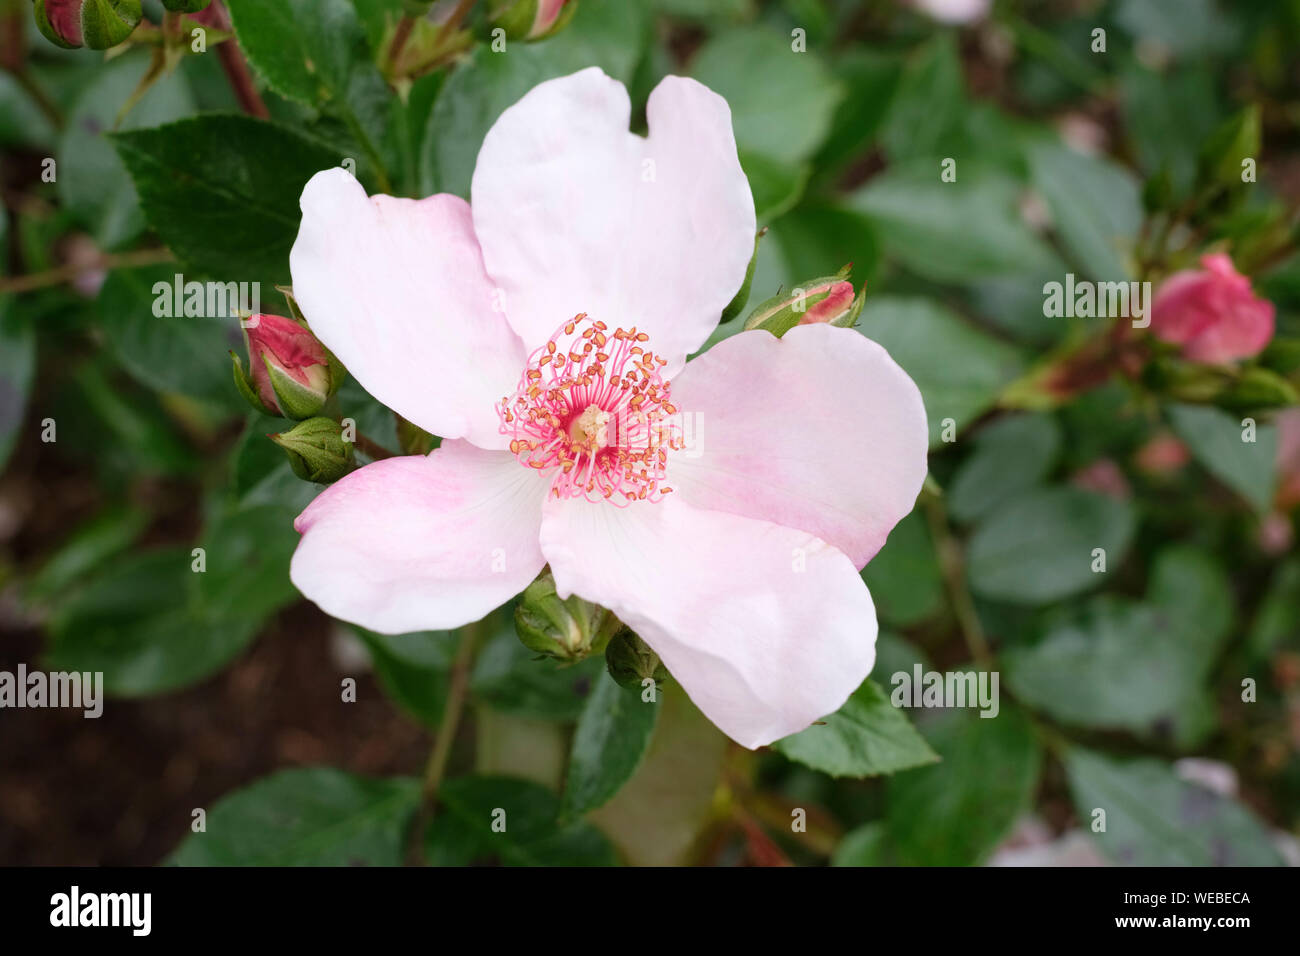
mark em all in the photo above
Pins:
pixel 1212 313
pixel 543 330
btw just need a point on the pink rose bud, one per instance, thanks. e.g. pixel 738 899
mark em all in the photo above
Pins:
pixel 97 24
pixel 1212 313
pixel 534 19
pixel 289 373
pixel 829 300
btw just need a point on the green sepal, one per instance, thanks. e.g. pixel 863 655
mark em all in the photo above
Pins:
pixel 317 450
pixel 247 389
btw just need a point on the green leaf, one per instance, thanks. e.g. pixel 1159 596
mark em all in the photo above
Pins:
pixel 413 669
pixel 952 232
pixel 865 846
pixel 1012 455
pixel 872 79
pixel 137 622
pixel 928 110
pixel 17 369
pixel 509 677
pixel 315 53
pixel 1168 115
pixel 88 547
pixel 1095 204
pixel 776 186
pixel 606 33
pixel 247 552
pixel 866 737
pixel 222 190
pixel 22 122
pixel 781 101
pixel 612 737
pixel 1139 667
pixel 510 822
pixel 1277 621
pixel 1039 547
pixel 177 354
pixel 1155 819
pixel 306 817
pixel 1215 440
pixel 91 180
pixel 904 577
pixel 959 369
pixel 956 812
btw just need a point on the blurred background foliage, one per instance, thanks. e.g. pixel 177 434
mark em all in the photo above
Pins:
pixel 1120 690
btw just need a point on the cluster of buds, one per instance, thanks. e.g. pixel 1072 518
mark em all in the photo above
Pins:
pixel 291 375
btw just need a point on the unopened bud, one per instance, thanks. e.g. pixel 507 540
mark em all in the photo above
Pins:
pixel 566 629
pixel 290 374
pixel 533 19
pixel 97 24
pixel 828 300
pixel 317 450
pixel 630 661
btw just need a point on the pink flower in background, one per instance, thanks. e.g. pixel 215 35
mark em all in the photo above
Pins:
pixel 954 11
pixel 1212 313
pixel 721 508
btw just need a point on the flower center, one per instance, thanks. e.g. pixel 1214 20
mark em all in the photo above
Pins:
pixel 593 408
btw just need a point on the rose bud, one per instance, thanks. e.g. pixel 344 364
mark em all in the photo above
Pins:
pixel 630 661
pixel 97 24
pixel 533 19
pixel 1212 313
pixel 828 300
pixel 290 374
pixel 317 450
pixel 566 629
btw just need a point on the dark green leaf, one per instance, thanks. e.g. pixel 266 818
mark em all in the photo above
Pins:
pixel 1039 547
pixel 510 822
pixel 904 577
pixel 1155 819
pixel 306 817
pixel 866 737
pixel 959 369
pixel 1216 440
pixel 1011 456
pixel 956 812
pixel 223 190
pixel 612 737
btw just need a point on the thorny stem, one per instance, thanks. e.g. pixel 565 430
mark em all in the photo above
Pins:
pixel 457 693
pixel 69 272
pixel 954 575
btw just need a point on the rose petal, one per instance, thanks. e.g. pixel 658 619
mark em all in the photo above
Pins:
pixel 422 542
pixel 766 628
pixel 819 430
pixel 396 289
pixel 577 214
